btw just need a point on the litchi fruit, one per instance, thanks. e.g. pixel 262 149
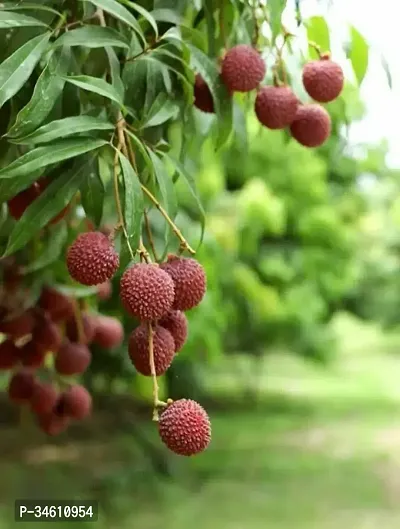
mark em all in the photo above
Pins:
pixel 44 398
pixel 77 402
pixel 163 349
pixel 176 323
pixel 147 292
pixel 21 386
pixel 56 304
pixel 18 204
pixel 276 106
pixel 92 259
pixel 203 98
pixel 311 126
pixel 52 424
pixel 72 359
pixel 9 355
pixel 323 79
pixel 189 280
pixel 185 427
pixel 32 355
pixel 109 332
pixel 47 335
pixel 19 326
pixel 89 324
pixel 242 69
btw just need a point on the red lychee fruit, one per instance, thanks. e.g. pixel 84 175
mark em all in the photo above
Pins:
pixel 44 398
pixel 323 79
pixel 189 280
pixel 32 355
pixel 9 355
pixel 147 292
pixel 20 203
pixel 92 259
pixel 19 326
pixel 59 306
pixel 77 402
pixel 203 98
pixel 89 324
pixel 163 349
pixel 52 424
pixel 104 291
pixel 242 69
pixel 276 106
pixel 109 332
pixel 21 386
pixel 47 335
pixel 72 359
pixel 176 323
pixel 185 427
pixel 311 126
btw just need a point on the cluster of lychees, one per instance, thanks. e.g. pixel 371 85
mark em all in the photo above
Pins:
pixel 277 106
pixel 157 295
pixel 49 330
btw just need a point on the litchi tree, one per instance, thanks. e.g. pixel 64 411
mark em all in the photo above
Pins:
pixel 92 93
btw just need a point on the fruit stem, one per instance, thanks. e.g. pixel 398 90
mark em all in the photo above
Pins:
pixel 256 34
pixel 121 220
pixel 150 236
pixel 315 46
pixel 153 372
pixel 78 321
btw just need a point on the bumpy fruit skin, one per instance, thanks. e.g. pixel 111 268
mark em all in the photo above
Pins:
pixel 147 292
pixel 323 79
pixel 276 106
pixel 21 386
pixel 242 69
pixel 311 126
pixel 77 402
pixel 163 349
pixel 57 305
pixel 44 398
pixel 176 323
pixel 92 259
pixel 72 359
pixel 185 427
pixel 203 99
pixel 9 355
pixel 18 204
pixel 89 324
pixel 109 332
pixel 19 326
pixel 189 280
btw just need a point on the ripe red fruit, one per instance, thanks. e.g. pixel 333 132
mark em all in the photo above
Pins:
pixel 9 355
pixel 276 106
pixel 109 332
pixel 52 424
pixel 104 291
pixel 47 335
pixel 163 349
pixel 323 79
pixel 72 359
pixel 18 204
pixel 311 126
pixel 19 326
pixel 189 279
pixel 21 386
pixel 185 428
pixel 77 402
pixel 32 355
pixel 89 324
pixel 243 69
pixel 176 323
pixel 44 398
pixel 202 95
pixel 147 292
pixel 57 305
pixel 92 259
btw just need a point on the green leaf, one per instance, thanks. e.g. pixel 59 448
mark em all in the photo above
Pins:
pixel 10 188
pixel 167 191
pixel 48 88
pixel 115 70
pixel 92 195
pixel 386 68
pixel 211 26
pixel 359 52
pixel 96 85
pixel 118 11
pixel 54 199
pixel 51 250
pixel 12 6
pixel 61 128
pixel 160 111
pixel 49 154
pixel 318 32
pixel 133 203
pixel 191 183
pixel 17 68
pixel 166 15
pixel 144 13
pixel 92 37
pixel 276 8
pixel 76 291
pixel 15 20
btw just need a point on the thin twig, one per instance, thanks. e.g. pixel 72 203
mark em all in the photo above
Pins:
pixel 78 321
pixel 150 235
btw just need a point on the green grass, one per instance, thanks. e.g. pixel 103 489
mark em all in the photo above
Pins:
pixel 331 463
